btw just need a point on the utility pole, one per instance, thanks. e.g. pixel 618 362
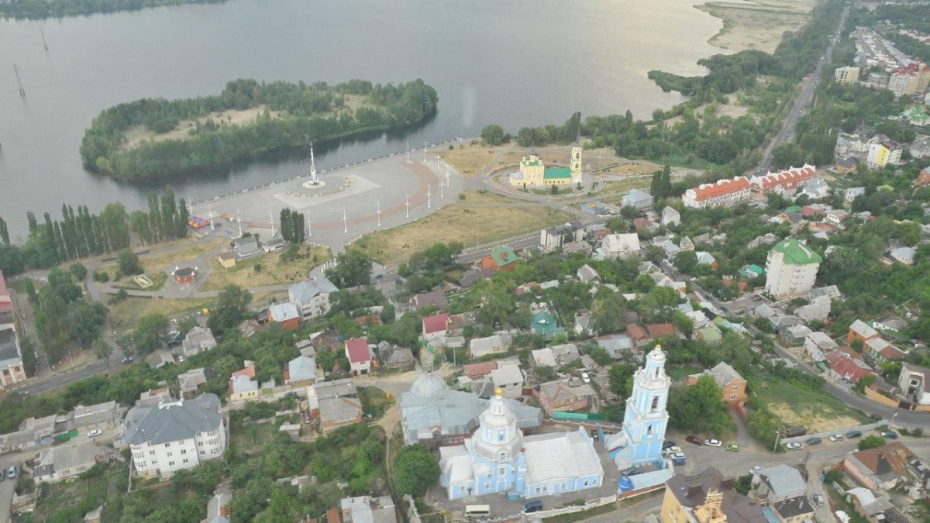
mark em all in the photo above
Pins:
pixel 379 214
pixel 210 212
pixel 407 203
pixel 44 43
pixel 270 216
pixel 429 197
pixel 442 191
pixel 239 219
pixel 408 151
pixel 22 91
pixel 345 222
pixel 309 228
pixel 777 435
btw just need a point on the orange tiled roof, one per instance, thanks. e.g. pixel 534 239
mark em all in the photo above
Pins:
pixel 707 191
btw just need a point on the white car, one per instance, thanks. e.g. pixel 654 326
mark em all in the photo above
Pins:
pixel 713 442
pixel 585 377
pixel 672 450
pixel 836 437
pixel 755 469
pixel 794 446
pixel 94 433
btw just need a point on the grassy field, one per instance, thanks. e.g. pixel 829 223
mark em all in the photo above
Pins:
pixel 800 405
pixel 756 25
pixel 81 495
pixel 677 372
pixel 177 251
pixel 267 269
pixel 480 217
pixel 125 314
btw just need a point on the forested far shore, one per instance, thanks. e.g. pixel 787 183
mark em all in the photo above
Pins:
pixel 30 9
pixel 286 115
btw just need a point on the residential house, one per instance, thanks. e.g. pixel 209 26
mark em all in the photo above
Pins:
pixel 429 299
pixel 588 275
pixel 175 436
pixel 284 314
pixel 616 345
pixel 197 341
pixel 709 334
pixel 785 182
pixel 670 217
pixel 859 330
pixel 556 356
pixel 66 461
pixel 564 395
pixel 335 403
pixel 660 330
pixel 836 217
pixel 12 370
pixel 472 276
pixel 817 345
pixel 706 258
pixel 159 358
pixel 730 381
pixel 726 193
pixel 707 497
pixel 479 370
pixel 847 165
pixel 914 383
pixel 905 255
pixel 816 189
pixel 637 334
pixel 881 351
pixel 794 510
pixel 620 245
pixel 779 483
pixel 395 357
pixel 496 344
pixel 509 380
pixel 301 371
pixel 843 367
pixel 311 297
pixel 243 387
pixel 791 269
pixel 435 326
pixel 554 238
pixel 883 151
pixel 543 322
pixel 637 199
pixel 686 244
pixel 849 195
pixel 881 468
pixel 359 355
pixel 872 508
pixel 368 509
pixel 501 259
pixel 817 310
pixel 154 397
pixel 189 382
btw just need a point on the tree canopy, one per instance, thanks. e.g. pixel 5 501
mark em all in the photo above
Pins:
pixel 415 469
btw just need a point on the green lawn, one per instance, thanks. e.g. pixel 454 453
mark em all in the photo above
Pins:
pixel 798 404
pixel 677 372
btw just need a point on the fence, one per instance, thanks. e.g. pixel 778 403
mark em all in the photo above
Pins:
pixel 543 514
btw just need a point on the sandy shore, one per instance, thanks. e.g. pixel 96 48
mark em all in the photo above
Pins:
pixel 756 24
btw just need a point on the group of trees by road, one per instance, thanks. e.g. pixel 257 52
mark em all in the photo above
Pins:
pixel 293 226
pixel 292 114
pixel 82 234
pixel 61 8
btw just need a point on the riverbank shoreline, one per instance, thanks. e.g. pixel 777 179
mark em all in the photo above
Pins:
pixel 756 25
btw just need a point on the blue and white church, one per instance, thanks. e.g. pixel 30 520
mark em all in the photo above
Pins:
pixel 639 444
pixel 499 459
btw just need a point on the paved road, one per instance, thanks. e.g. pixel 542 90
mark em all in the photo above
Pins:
pixel 787 131
pixel 6 488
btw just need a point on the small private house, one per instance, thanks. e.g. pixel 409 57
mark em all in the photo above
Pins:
pixel 435 326
pixel 334 403
pixel 501 259
pixel 359 355
pixel 429 299
pixel 367 509
pixel 197 341
pixel 779 483
pixel 914 383
pixel 564 395
pixel 509 380
pixel 246 246
pixel 670 217
pixel 620 245
pixel 543 322
pixel 301 371
pixel 882 468
pixel 496 344
pixel 859 330
pixel 284 314
pixel 66 461
pixel 726 377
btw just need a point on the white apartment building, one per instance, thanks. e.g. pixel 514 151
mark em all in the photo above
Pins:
pixel 174 436
pixel 311 297
pixel 791 269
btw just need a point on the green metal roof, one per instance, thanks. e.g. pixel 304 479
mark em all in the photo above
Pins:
pixel 796 253
pixel 531 163
pixel 557 172
pixel 503 255
pixel 793 208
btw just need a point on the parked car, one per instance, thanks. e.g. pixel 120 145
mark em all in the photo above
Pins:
pixel 713 442
pixel 671 450
pixel 2 474
pixel 794 446
pixel 678 458
pixel 694 439
pixel 533 506
pixel 755 469
pixel 814 441
pixel 836 437
pixel 818 499
pixel 890 434
pixel 632 471
pixel 12 472
pixel 595 434
pixel 668 443
pixel 733 447
pixel 853 434
pixel 94 433
pixel 585 377
pixel 128 359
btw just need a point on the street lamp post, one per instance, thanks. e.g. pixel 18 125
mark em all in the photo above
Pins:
pixel 777 435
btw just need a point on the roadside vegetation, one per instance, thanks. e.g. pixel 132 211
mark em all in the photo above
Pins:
pixel 60 8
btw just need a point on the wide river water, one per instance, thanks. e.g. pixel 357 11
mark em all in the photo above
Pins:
pixel 513 62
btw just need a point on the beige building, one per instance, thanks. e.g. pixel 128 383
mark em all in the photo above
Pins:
pixel 707 497
pixel 847 75
pixel 791 269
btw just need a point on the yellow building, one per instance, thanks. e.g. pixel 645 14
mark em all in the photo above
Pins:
pixel 534 173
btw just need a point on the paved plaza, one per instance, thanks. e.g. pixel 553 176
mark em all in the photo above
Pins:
pixel 354 192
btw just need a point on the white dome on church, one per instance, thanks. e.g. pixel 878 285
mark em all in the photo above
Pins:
pixel 428 385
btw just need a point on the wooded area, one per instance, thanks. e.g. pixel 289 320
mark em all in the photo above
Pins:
pixel 294 114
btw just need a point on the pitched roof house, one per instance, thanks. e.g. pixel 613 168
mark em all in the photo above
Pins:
pixel 881 468
pixel 359 355
pixel 502 258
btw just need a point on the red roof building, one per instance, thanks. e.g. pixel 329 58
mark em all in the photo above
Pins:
pixel 479 370
pixel 435 325
pixel 637 333
pixel 846 368
pixel 786 180
pixel 359 355
pixel 721 193
pixel 923 179
pixel 658 330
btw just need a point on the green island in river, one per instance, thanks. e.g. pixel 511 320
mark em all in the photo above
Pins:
pixel 32 9
pixel 152 137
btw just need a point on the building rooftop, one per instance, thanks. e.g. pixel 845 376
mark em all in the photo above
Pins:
pixel 560 455
pixel 174 421
pixel 357 348
pixel 796 253
pixel 691 491
pixel 283 311
pixel 302 368
pixel 306 290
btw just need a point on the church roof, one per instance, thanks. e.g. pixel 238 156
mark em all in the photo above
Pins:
pixel 557 173
pixel 560 455
pixel 428 384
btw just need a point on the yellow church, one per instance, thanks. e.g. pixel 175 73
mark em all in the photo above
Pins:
pixel 534 173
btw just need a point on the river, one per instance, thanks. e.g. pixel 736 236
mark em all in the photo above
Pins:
pixel 514 62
